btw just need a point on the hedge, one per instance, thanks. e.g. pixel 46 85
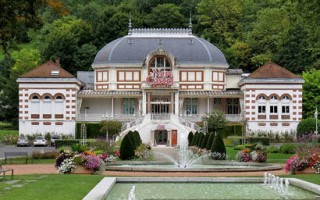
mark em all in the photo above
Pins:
pixel 232 129
pixel 69 143
pixel 263 140
pixel 93 130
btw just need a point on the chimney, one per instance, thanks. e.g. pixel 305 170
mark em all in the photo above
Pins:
pixel 57 61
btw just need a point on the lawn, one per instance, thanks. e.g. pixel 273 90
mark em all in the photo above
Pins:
pixel 272 157
pixel 313 178
pixel 53 187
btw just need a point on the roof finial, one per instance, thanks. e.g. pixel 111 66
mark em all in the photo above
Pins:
pixel 130 25
pixel 190 25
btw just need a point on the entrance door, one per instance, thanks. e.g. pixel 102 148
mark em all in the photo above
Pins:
pixel 174 137
pixel 161 137
pixel 160 108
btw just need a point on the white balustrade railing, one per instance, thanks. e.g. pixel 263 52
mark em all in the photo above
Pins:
pixel 199 117
pixel 101 117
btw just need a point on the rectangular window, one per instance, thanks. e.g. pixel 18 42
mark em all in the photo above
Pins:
pixel 273 109
pixel 217 76
pixel 191 105
pixel 128 105
pixel 128 76
pixel 233 106
pixel 191 76
pixel 286 109
pixel 102 76
pixel 262 109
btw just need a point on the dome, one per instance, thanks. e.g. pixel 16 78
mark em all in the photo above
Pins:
pixel 186 48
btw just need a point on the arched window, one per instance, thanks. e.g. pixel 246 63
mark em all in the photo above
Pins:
pixel 34 106
pixel 274 97
pixel 160 63
pixel 286 97
pixel 59 106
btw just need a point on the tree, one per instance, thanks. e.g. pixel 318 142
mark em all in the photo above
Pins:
pixel 127 148
pixel 17 16
pixel 64 39
pixel 216 121
pixel 311 92
pixel 307 126
pixel 218 149
pixel 165 16
pixel 210 140
pixel 22 62
pixel 221 20
pixel 110 127
pixel 190 137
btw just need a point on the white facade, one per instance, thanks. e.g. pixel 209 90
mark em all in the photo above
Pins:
pixel 160 82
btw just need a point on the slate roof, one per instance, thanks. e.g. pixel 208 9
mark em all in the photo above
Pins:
pixel 185 47
pixel 272 70
pixel 44 71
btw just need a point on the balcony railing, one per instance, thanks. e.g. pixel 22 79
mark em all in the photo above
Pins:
pixel 199 117
pixel 101 117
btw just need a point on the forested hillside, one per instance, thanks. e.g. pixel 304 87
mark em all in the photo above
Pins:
pixel 249 33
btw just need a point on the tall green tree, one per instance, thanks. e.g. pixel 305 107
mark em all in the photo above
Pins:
pixel 166 16
pixel 311 92
pixel 24 61
pixel 216 121
pixel 64 39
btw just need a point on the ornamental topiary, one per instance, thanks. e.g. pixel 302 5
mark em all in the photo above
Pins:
pixel 195 139
pixel 209 142
pixel 218 150
pixel 201 137
pixel 205 141
pixel 127 147
pixel 190 137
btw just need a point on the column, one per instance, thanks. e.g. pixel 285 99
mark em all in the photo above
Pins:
pixel 176 103
pixel 111 107
pixel 144 103
pixel 148 102
pixel 172 103
pixel 208 105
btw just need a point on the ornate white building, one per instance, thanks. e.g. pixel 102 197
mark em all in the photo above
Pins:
pixel 160 82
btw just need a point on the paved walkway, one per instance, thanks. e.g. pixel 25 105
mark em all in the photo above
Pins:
pixel 50 169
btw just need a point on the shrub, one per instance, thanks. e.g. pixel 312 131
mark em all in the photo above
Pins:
pixel 190 137
pixel 244 155
pixel 137 139
pixel 245 146
pixel 294 163
pixel 235 140
pixel 273 149
pixel 195 139
pixel 143 152
pixel 227 142
pixel 288 148
pixel 127 148
pixel 210 140
pixel 6 126
pixel 60 143
pixel 263 140
pixel 93 130
pixel 204 141
pixel 78 148
pixel 44 155
pixel 306 126
pixel 232 129
pixel 259 156
pixel 200 140
pixel 218 147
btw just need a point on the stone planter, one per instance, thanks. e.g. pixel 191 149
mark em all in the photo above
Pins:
pixel 82 170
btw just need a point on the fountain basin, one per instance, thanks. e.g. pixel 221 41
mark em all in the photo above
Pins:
pixel 227 188
pixel 207 166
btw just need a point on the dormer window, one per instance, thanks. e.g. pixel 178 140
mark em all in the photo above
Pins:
pixel 160 63
pixel 55 73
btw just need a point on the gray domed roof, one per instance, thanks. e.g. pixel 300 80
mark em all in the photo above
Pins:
pixel 185 47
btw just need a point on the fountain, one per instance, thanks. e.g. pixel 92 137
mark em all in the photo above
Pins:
pixel 186 160
pixel 276 183
pixel 199 188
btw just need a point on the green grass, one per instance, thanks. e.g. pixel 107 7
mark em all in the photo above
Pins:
pixel 30 161
pixel 53 187
pixel 9 132
pixel 272 157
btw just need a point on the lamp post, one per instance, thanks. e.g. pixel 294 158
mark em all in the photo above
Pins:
pixel 316 116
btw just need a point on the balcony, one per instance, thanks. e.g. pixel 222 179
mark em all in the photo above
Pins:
pixel 156 117
pixel 101 117
pixel 199 117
